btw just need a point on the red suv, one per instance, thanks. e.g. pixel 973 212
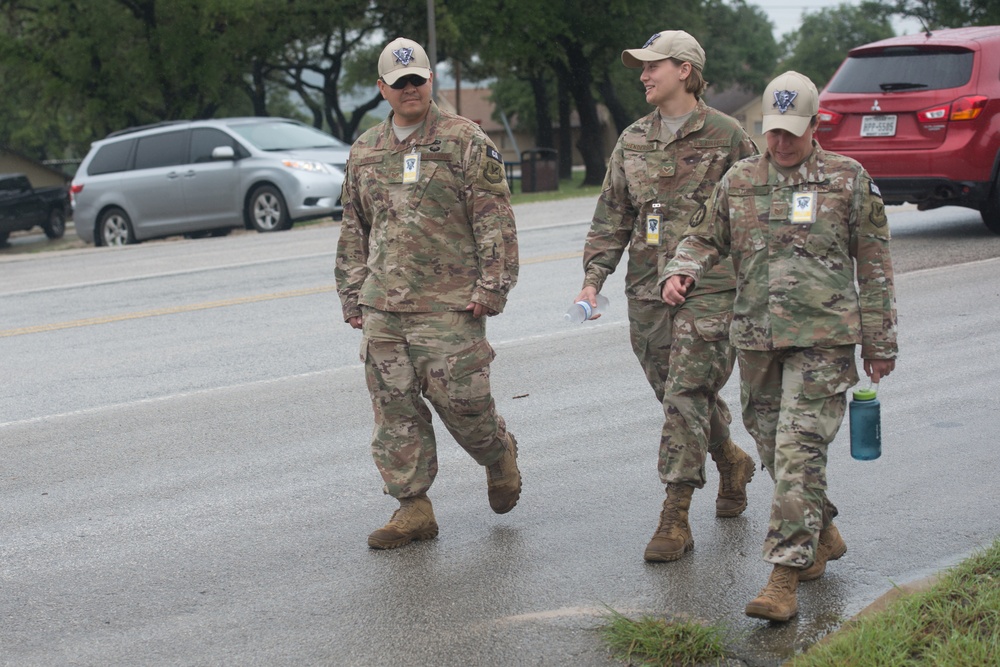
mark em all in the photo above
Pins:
pixel 922 114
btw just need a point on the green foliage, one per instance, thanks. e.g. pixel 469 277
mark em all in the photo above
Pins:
pixel 950 13
pixel 657 642
pixel 739 45
pixel 818 47
pixel 954 623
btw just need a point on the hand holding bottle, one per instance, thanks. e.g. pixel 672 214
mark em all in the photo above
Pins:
pixel 589 306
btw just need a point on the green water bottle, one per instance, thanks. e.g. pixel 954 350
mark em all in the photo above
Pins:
pixel 866 424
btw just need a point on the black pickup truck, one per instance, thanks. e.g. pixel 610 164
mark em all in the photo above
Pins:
pixel 23 207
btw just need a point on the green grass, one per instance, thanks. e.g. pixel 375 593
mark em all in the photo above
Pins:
pixel 568 188
pixel 652 641
pixel 955 623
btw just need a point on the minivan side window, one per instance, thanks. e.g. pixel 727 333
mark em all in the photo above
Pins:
pixel 161 150
pixel 111 158
pixel 206 139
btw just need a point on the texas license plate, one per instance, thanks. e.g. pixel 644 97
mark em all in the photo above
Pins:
pixel 878 126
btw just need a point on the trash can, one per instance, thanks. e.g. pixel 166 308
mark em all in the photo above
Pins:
pixel 539 170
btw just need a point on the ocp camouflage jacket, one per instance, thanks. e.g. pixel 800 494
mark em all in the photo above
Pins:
pixel 794 239
pixel 652 171
pixel 434 244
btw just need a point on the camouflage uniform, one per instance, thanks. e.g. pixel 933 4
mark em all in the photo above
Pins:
pixel 411 257
pixel 684 351
pixel 794 237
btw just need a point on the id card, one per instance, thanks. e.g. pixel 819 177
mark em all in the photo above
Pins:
pixel 803 208
pixel 653 222
pixel 411 168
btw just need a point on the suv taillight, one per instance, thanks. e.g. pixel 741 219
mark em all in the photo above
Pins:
pixel 964 108
pixel 75 188
pixel 968 108
pixel 830 117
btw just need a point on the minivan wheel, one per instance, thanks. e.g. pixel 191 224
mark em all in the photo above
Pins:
pixel 114 228
pixel 266 210
pixel 55 226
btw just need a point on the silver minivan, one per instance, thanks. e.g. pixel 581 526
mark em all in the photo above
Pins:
pixel 206 177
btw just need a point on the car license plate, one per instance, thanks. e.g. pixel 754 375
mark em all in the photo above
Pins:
pixel 878 126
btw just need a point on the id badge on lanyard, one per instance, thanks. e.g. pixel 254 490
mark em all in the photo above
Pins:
pixel 654 221
pixel 411 167
pixel 803 208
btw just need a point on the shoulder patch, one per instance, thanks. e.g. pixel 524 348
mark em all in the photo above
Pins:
pixel 698 216
pixel 492 174
pixel 876 214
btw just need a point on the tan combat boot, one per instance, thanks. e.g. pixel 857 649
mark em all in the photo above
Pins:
pixel 777 601
pixel 831 547
pixel 414 520
pixel 736 469
pixel 503 479
pixel 672 538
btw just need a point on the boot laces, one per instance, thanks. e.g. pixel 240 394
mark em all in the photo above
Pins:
pixel 669 516
pixel 779 584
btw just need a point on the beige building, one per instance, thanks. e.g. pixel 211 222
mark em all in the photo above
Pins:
pixel 474 103
pixel 744 106
pixel 39 174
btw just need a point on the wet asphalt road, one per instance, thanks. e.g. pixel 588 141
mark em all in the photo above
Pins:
pixel 185 477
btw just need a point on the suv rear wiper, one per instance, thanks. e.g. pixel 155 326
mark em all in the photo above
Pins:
pixel 889 87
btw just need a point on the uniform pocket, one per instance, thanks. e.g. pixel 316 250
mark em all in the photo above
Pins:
pixel 829 380
pixel 468 384
pixel 470 360
pixel 713 328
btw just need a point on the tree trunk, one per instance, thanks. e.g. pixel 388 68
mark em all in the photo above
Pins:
pixel 620 117
pixel 580 81
pixel 565 132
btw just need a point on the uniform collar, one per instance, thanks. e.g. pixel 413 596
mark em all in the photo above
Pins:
pixel 425 135
pixel 659 132
pixel 812 170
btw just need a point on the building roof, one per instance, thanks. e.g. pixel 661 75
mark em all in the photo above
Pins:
pixel 730 100
pixel 475 105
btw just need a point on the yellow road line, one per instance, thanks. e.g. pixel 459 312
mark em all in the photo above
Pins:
pixel 108 319
pixel 174 310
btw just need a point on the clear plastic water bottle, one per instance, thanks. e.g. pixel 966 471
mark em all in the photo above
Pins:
pixel 581 311
pixel 866 424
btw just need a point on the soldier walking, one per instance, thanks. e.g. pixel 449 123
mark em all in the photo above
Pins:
pixel 801 225
pixel 663 168
pixel 427 251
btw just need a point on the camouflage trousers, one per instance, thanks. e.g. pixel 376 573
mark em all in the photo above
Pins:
pixel 445 358
pixel 793 405
pixel 686 356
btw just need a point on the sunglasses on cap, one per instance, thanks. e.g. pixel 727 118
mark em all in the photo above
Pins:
pixel 401 82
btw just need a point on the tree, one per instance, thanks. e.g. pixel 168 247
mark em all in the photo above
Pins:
pixel 818 47
pixel 950 13
pixel 739 43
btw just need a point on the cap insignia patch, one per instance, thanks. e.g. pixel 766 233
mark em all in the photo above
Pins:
pixel 403 56
pixel 651 40
pixel 785 99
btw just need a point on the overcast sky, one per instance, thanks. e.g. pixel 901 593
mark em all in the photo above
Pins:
pixel 786 15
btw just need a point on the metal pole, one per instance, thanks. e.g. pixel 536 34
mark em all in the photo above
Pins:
pixel 432 46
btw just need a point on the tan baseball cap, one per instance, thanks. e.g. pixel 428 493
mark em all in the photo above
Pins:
pixel 789 103
pixel 666 44
pixel 400 57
